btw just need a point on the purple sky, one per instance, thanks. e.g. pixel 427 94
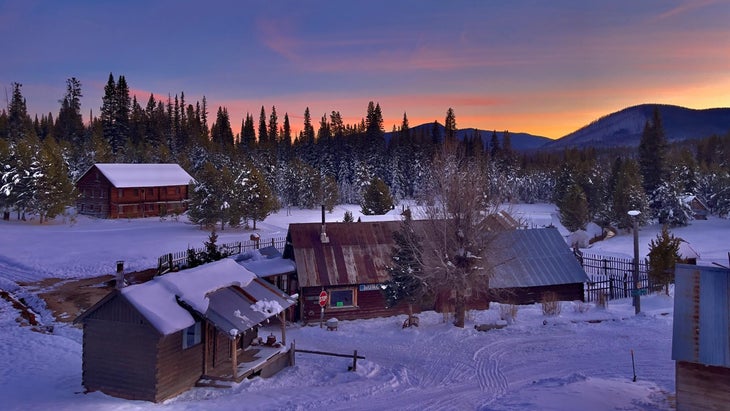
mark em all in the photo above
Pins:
pixel 542 67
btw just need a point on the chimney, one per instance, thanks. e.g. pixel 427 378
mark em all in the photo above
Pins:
pixel 323 236
pixel 120 275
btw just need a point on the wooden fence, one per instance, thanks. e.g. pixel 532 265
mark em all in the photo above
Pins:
pixel 179 259
pixel 613 277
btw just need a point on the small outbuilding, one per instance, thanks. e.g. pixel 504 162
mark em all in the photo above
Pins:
pixel 133 190
pixel 199 326
pixel 701 337
pixel 698 207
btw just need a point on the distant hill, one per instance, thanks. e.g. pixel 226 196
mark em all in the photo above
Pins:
pixel 520 141
pixel 624 128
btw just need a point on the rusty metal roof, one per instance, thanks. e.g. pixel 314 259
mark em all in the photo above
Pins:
pixel 357 253
pixel 701 331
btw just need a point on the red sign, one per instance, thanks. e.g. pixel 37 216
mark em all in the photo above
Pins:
pixel 323 298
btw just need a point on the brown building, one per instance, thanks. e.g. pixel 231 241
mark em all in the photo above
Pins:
pixel 351 264
pixel 701 337
pixel 133 190
pixel 199 326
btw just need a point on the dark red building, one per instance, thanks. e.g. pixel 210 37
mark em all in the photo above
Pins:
pixel 133 190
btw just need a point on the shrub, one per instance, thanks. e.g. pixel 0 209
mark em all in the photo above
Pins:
pixel 508 312
pixel 581 307
pixel 550 304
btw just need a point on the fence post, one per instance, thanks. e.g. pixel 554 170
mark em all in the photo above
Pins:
pixel 169 261
pixel 610 287
pixel 354 361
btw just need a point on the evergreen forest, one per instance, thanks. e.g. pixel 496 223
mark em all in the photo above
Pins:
pixel 243 176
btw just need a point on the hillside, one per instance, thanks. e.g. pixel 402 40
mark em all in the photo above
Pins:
pixel 624 128
pixel 520 141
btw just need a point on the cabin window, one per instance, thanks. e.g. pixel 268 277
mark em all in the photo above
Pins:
pixel 120 192
pixel 342 298
pixel 191 335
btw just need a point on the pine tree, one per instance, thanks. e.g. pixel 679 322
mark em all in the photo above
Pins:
pixel 652 155
pixel 450 127
pixel 211 252
pixel 263 129
pixel 53 190
pixel 405 283
pixel 19 123
pixel 69 124
pixel 573 208
pixel 670 209
pixel 273 132
pixel 376 198
pixel 663 256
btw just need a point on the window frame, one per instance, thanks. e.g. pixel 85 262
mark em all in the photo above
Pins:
pixel 332 302
pixel 192 336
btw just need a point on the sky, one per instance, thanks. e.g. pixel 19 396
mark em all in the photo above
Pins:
pixel 545 68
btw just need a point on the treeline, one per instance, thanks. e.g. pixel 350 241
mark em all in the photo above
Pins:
pixel 246 175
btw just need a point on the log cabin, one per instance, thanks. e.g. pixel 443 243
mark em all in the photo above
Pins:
pixel 701 337
pixel 132 190
pixel 155 340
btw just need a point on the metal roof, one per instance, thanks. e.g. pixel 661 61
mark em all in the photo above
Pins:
pixel 358 253
pixel 265 262
pixel 701 331
pixel 234 310
pixel 534 258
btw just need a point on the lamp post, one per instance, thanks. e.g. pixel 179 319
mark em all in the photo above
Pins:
pixel 637 298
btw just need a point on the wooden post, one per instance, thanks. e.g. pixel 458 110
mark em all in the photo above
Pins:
pixel 354 361
pixel 234 357
pixel 283 328
pixel 292 353
pixel 205 349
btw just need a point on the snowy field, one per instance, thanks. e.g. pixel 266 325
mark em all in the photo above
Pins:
pixel 575 361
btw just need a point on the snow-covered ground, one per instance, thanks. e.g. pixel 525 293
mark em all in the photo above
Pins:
pixel 575 361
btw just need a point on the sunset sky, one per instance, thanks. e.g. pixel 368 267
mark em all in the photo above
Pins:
pixel 541 67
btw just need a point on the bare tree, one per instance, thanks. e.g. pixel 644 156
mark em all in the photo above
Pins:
pixel 459 231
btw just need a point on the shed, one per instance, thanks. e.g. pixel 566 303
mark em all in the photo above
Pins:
pixel 698 207
pixel 536 261
pixel 701 337
pixel 154 340
pixel 133 190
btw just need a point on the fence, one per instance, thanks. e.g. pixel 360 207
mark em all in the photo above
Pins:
pixel 613 277
pixel 176 260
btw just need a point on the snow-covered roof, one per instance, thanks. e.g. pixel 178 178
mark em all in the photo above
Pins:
pixel 144 175
pixel 156 299
pixel 266 262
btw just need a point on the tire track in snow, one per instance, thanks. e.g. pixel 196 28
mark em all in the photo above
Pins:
pixel 489 374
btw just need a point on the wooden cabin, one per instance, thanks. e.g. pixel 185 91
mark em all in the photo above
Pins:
pixel 155 340
pixel 701 337
pixel 132 190
pixel 536 261
pixel 349 261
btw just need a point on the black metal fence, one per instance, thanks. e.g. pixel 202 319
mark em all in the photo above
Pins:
pixel 613 277
pixel 179 259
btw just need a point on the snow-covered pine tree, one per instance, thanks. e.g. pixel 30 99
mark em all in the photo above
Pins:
pixel 405 283
pixel 376 199
pixel 668 206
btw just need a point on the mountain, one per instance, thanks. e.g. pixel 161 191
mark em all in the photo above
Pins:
pixel 624 128
pixel 520 141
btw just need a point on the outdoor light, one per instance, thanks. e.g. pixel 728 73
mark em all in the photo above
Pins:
pixel 636 292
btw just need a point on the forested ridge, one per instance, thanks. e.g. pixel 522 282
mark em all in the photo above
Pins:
pixel 244 176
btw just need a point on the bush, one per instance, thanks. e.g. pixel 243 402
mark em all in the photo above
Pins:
pixel 550 304
pixel 581 307
pixel 508 312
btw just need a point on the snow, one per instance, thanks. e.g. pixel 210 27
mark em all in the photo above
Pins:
pixel 123 175
pixel 155 299
pixel 574 361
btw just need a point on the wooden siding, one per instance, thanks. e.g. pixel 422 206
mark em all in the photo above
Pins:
pixel 370 304
pixel 119 357
pixel 178 369
pixel 702 387
pixel 531 295
pixel 94 190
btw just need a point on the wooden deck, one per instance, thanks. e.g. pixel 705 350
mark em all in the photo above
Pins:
pixel 251 362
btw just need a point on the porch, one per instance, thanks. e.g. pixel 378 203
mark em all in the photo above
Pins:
pixel 260 360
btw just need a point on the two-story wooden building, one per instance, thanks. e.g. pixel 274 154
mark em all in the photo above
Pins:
pixel 133 190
